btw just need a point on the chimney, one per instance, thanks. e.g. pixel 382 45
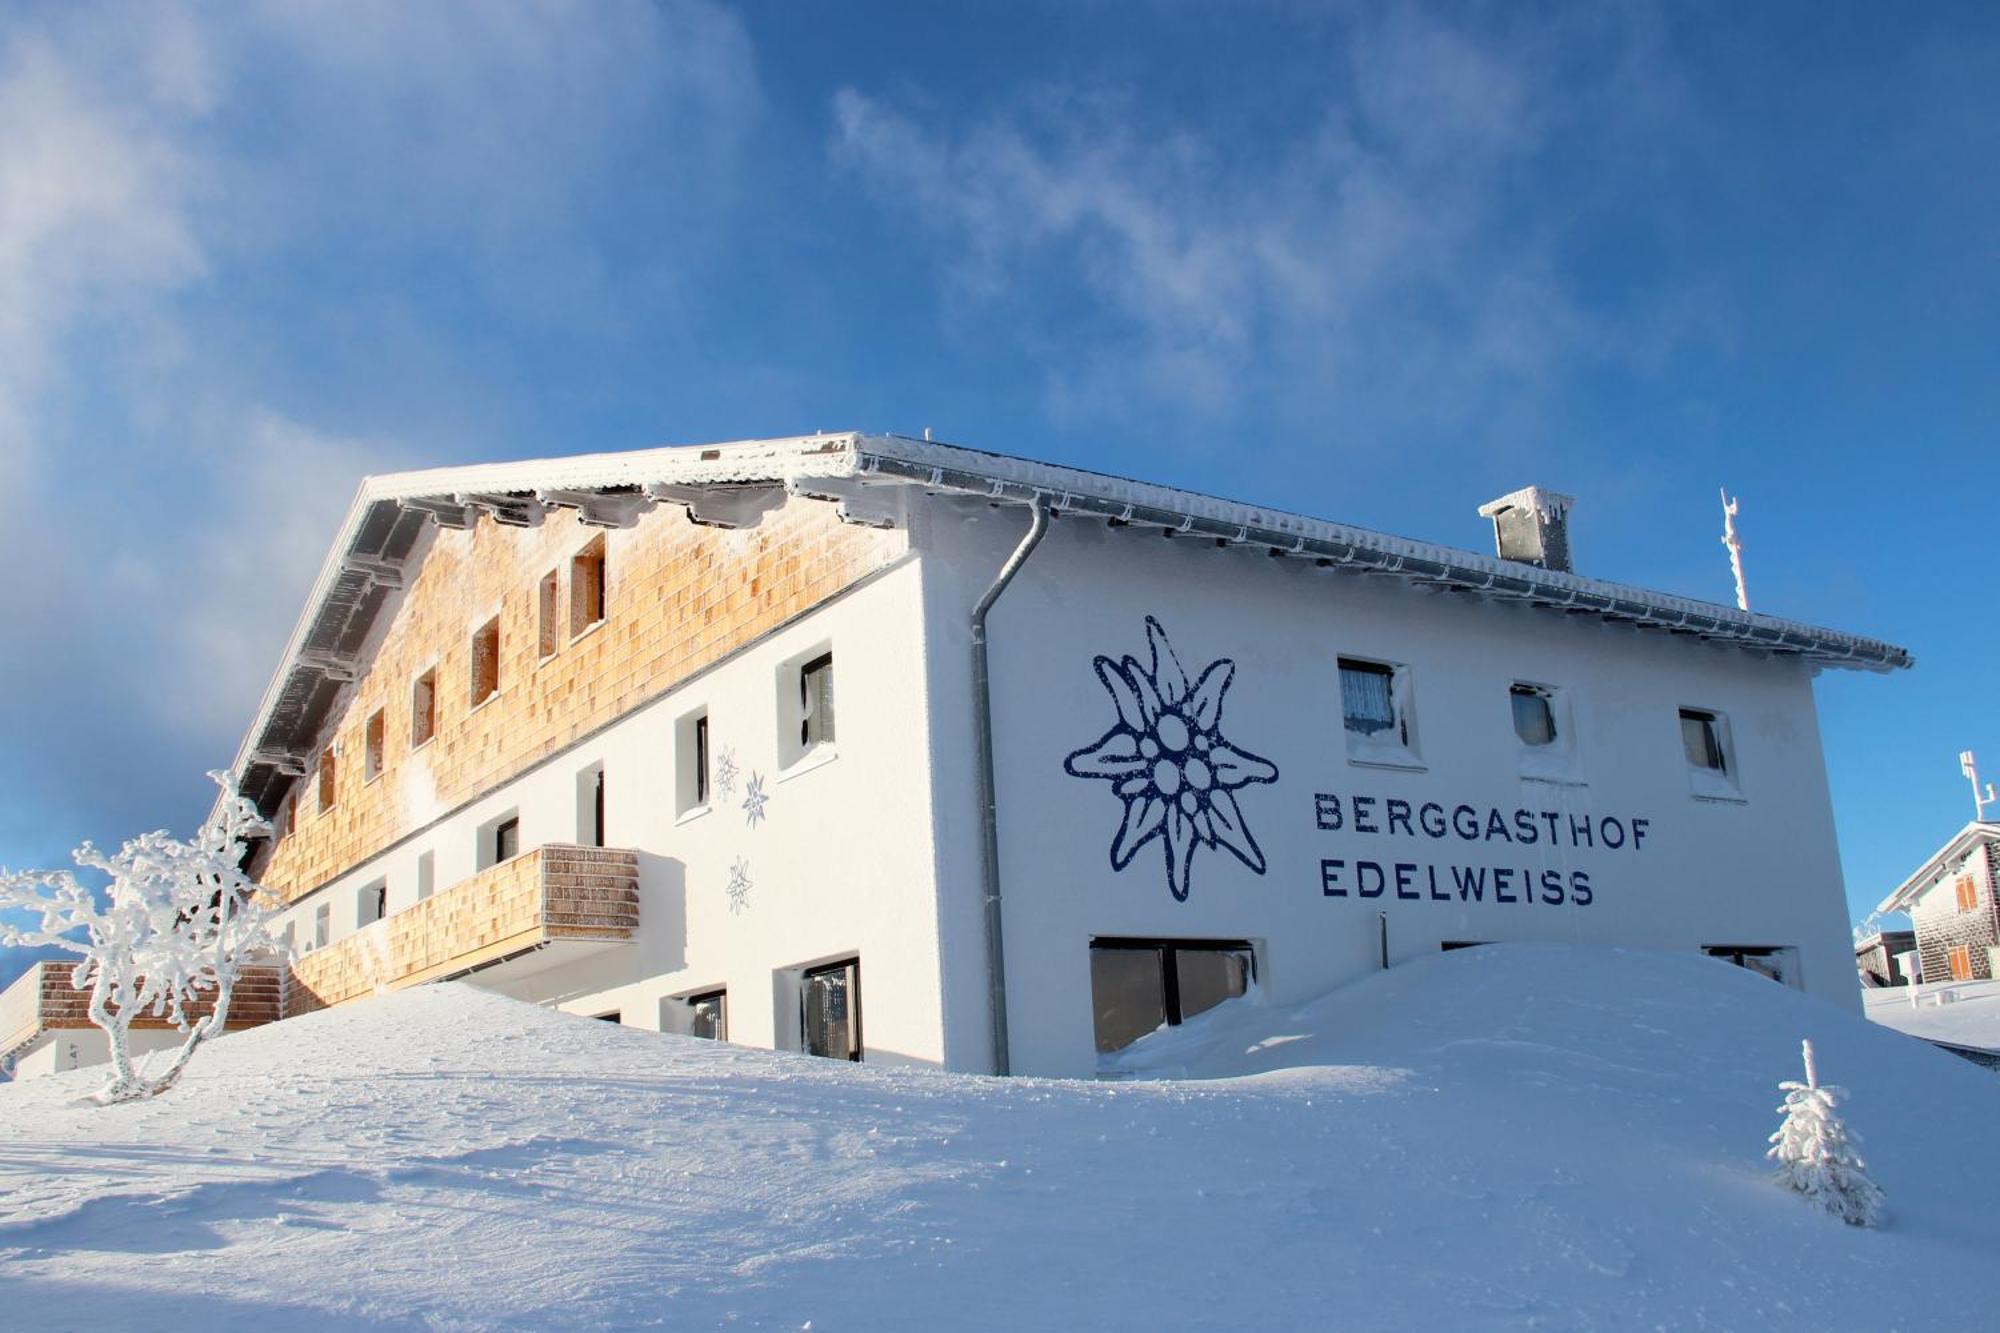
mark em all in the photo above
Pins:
pixel 1531 526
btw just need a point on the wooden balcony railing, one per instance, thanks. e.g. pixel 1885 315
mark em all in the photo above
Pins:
pixel 553 893
pixel 42 1000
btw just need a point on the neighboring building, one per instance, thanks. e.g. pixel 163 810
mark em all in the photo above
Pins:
pixel 726 776
pixel 1951 902
pixel 1875 957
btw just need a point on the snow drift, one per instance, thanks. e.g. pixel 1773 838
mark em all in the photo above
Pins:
pixel 1502 1137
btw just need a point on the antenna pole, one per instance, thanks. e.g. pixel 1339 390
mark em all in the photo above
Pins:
pixel 1981 796
pixel 1735 546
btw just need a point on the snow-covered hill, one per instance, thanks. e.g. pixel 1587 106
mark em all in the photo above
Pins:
pixel 1509 1137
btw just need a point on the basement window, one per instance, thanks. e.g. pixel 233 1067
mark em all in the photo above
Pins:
pixel 423 708
pixel 372 747
pixel 587 588
pixel 326 779
pixel 1139 986
pixel 486 662
pixel 708 1015
pixel 1778 962
pixel 830 1010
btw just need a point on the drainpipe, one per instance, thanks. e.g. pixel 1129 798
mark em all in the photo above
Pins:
pixel 982 722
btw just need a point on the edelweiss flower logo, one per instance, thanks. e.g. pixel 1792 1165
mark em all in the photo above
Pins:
pixel 1168 761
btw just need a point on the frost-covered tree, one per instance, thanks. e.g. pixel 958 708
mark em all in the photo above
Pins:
pixel 172 930
pixel 1818 1157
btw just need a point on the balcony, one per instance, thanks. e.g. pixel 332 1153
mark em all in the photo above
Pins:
pixel 543 908
pixel 42 1001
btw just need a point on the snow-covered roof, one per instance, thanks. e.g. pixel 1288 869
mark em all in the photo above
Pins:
pixel 381 543
pixel 1950 854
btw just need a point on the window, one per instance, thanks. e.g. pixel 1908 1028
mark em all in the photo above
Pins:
pixel 1778 963
pixel 586 588
pixel 371 751
pixel 423 708
pixel 615 1016
pixel 1968 893
pixel 1534 715
pixel 288 941
pixel 590 806
pixel 816 702
pixel 1367 697
pixel 426 875
pixel 371 904
pixel 1375 713
pixel 1701 737
pixel 486 662
pixel 499 839
pixel 326 779
pixel 1711 761
pixel 545 600
pixel 322 925
pixel 691 763
pixel 1138 986
pixel 1960 958
pixel 708 1015
pixel 830 1010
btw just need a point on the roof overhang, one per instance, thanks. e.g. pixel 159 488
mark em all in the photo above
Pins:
pixel 382 541
pixel 1963 841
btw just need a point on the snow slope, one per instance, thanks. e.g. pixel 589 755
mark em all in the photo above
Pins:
pixel 1971 1019
pixel 1497 1138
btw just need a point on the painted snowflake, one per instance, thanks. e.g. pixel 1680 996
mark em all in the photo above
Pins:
pixel 754 798
pixel 726 774
pixel 1168 761
pixel 739 886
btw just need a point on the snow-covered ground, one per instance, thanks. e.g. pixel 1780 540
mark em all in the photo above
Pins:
pixel 1964 1013
pixel 1497 1138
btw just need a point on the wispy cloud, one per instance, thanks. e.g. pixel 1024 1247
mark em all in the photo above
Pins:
pixel 1375 263
pixel 229 238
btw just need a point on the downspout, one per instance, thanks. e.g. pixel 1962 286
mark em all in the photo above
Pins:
pixel 982 723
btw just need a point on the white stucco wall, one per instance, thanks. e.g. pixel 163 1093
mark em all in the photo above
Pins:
pixel 74 1048
pixel 1759 870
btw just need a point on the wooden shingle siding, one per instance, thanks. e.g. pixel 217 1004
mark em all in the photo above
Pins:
pixel 43 1000
pixel 679 598
pixel 1942 927
pixel 550 893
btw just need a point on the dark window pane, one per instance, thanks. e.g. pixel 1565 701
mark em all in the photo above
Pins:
pixel 1210 976
pixel 1367 697
pixel 705 1017
pixel 1128 994
pixel 832 1012
pixel 506 840
pixel 701 760
pixel 1700 739
pixel 816 696
pixel 1534 720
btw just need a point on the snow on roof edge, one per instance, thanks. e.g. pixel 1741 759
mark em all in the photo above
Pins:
pixel 851 453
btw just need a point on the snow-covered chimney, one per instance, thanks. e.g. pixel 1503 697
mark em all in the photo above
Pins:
pixel 1531 525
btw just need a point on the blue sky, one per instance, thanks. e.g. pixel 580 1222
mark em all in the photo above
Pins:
pixel 1371 262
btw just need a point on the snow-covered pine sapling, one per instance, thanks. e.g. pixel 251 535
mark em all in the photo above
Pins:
pixel 1816 1155
pixel 177 922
